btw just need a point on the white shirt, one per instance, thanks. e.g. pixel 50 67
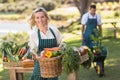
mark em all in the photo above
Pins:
pixel 88 15
pixel 33 43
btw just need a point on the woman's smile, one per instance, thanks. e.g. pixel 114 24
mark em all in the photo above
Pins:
pixel 40 19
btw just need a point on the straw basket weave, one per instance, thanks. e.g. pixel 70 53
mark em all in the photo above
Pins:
pixel 50 67
pixel 12 64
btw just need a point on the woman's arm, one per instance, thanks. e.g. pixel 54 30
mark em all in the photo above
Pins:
pixel 33 44
pixel 82 30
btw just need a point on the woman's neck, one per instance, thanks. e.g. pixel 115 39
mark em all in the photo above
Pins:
pixel 43 29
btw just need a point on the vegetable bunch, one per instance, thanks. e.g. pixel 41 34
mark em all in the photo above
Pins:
pixel 50 52
pixel 70 60
pixel 13 51
pixel 14 46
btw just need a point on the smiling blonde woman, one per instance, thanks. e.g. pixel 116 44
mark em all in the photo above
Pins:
pixel 43 36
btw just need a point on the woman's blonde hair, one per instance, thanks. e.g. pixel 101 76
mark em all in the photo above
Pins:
pixel 31 20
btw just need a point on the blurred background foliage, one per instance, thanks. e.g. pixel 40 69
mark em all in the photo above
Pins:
pixel 21 6
pixel 25 7
pixel 63 13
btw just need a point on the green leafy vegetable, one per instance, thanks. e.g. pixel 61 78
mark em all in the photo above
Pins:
pixel 71 60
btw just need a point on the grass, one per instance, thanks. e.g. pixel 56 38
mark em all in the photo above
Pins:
pixel 111 64
pixel 12 16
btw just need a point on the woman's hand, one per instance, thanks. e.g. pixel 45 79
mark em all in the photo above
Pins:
pixel 34 56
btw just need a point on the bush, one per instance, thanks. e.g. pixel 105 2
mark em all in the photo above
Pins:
pixel 20 9
pixel 21 6
pixel 98 6
pixel 3 8
pixel 11 8
pixel 58 17
pixel 0 55
pixel 48 5
pixel 107 6
pixel 117 14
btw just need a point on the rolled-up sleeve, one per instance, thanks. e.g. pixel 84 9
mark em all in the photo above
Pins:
pixel 33 41
pixel 84 19
pixel 58 35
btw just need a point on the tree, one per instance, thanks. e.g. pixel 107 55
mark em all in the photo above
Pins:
pixel 82 5
pixel 119 4
pixel 3 1
pixel 119 1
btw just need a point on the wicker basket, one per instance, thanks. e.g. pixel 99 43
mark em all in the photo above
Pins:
pixel 27 63
pixel 50 67
pixel 12 64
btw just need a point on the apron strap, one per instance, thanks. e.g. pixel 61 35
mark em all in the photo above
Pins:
pixel 53 33
pixel 39 37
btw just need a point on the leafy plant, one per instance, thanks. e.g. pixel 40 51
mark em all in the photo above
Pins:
pixel 70 60
pixel 98 49
pixel 97 38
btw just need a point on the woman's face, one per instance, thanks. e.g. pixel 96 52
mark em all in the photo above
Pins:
pixel 40 19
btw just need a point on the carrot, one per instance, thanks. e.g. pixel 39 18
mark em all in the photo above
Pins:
pixel 52 49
